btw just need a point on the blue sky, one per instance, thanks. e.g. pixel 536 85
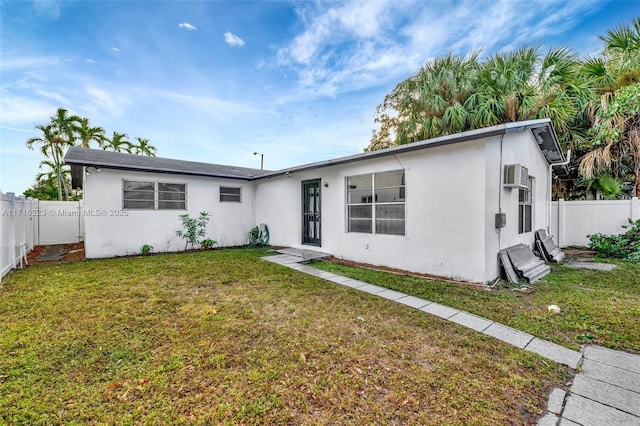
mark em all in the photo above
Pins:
pixel 215 81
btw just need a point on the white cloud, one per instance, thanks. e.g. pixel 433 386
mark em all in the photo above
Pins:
pixel 20 62
pixel 91 61
pixel 204 104
pixel 48 8
pixel 187 26
pixel 115 49
pixel 356 44
pixel 233 40
pixel 106 101
pixel 21 110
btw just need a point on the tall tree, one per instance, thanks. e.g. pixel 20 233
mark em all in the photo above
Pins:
pixel 144 147
pixel 615 76
pixel 66 126
pixel 56 137
pixel 617 137
pixel 51 146
pixel 453 94
pixel 119 143
pixel 88 134
pixel 431 103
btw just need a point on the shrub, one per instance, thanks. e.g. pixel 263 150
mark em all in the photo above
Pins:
pixel 194 229
pixel 146 249
pixel 623 246
pixel 207 244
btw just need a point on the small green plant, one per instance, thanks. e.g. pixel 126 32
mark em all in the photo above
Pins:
pixel 194 229
pixel 146 249
pixel 207 244
pixel 623 246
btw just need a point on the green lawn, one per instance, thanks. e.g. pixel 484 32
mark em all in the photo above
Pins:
pixel 597 307
pixel 224 337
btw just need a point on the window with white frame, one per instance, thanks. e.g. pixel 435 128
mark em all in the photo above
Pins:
pixel 138 195
pixel 525 207
pixel 376 203
pixel 230 194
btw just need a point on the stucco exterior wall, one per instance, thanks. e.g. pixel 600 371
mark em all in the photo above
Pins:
pixel 517 148
pixel 445 212
pixel 108 232
pixel 452 195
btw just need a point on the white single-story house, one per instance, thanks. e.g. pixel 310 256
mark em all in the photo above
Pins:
pixel 443 206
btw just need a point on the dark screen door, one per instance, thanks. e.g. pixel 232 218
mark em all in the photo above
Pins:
pixel 311 212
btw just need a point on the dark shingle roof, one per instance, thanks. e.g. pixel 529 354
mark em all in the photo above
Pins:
pixel 78 156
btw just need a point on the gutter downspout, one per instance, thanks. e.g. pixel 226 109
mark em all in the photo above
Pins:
pixel 550 177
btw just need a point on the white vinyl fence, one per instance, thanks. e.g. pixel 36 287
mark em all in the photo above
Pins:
pixel 19 230
pixel 60 222
pixel 573 221
pixel 27 222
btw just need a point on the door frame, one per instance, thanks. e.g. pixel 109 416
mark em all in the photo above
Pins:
pixel 308 238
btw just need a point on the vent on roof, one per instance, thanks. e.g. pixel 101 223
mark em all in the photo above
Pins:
pixel 515 176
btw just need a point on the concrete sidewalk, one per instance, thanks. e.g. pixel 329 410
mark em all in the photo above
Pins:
pixel 607 391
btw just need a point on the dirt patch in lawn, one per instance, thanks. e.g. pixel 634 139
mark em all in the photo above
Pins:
pixel 72 253
pixel 401 272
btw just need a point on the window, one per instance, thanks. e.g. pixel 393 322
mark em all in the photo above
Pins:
pixel 376 203
pixel 153 195
pixel 230 194
pixel 525 207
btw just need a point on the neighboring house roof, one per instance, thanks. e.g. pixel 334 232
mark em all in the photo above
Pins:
pixel 78 156
pixel 542 131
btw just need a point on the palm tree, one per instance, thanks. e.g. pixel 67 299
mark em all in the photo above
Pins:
pixel 617 137
pixel 52 146
pixel 119 143
pixel 66 126
pixel 615 115
pixel 622 49
pixel 453 94
pixel 431 103
pixel 56 137
pixel 50 176
pixel 89 134
pixel 144 147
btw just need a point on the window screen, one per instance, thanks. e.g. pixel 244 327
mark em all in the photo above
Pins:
pixel 228 194
pixel 138 195
pixel 525 208
pixel 376 203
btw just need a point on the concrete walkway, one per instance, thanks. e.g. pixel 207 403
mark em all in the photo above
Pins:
pixel 606 391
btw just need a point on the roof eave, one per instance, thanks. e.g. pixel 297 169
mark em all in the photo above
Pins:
pixel 469 135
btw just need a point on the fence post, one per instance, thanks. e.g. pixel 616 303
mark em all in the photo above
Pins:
pixel 561 220
pixel 635 209
pixel 12 232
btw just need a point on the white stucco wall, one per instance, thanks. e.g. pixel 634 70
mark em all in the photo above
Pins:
pixel 445 212
pixel 112 234
pixel 517 148
pixel 452 195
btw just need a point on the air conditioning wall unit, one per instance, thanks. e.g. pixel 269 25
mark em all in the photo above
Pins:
pixel 515 176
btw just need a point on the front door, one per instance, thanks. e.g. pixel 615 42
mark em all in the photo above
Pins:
pixel 311 212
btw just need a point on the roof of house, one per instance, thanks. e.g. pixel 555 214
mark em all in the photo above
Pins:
pixel 78 156
pixel 541 129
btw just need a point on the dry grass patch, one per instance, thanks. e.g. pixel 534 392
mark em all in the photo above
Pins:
pixel 223 337
pixel 597 307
